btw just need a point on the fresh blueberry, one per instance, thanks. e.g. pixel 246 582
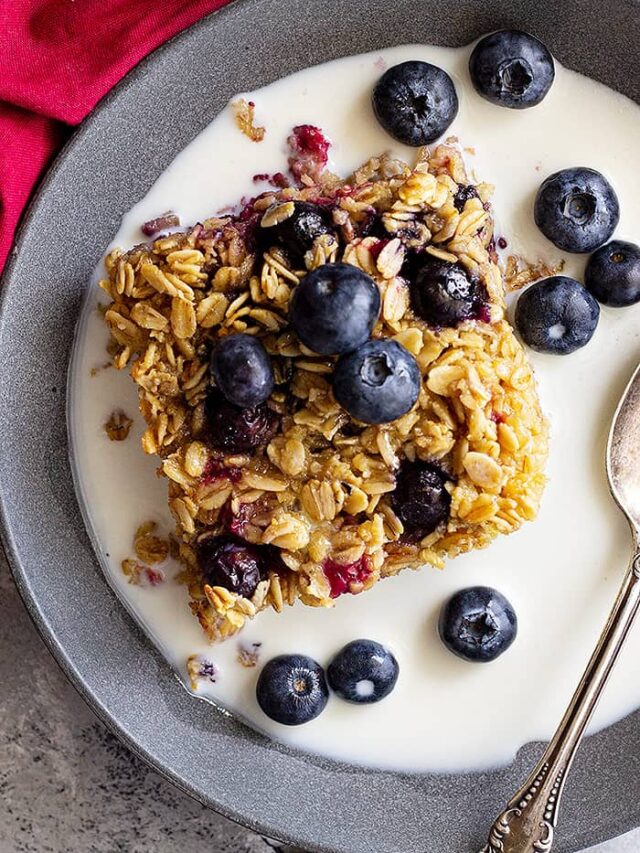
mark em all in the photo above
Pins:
pixel 242 370
pixel 238 430
pixel 363 672
pixel 557 315
pixel 511 69
pixel 297 231
pixel 421 500
pixel 613 274
pixel 415 102
pixel 334 308
pixel 292 689
pixel 377 383
pixel 444 295
pixel 232 563
pixel 478 624
pixel 577 209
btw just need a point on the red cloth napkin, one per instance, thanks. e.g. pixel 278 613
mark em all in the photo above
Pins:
pixel 57 59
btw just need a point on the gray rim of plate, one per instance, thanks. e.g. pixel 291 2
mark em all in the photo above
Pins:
pixel 107 166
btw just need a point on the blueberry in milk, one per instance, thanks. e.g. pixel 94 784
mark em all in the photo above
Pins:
pixel 363 672
pixel 577 209
pixel 478 624
pixel 512 69
pixel 415 102
pixel 557 315
pixel 613 274
pixel 292 689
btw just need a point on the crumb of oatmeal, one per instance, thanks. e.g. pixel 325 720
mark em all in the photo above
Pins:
pixel 148 547
pixel 248 656
pixel 140 575
pixel 160 223
pixel 244 112
pixel 518 271
pixel 201 669
pixel 470 150
pixel 99 368
pixel 118 425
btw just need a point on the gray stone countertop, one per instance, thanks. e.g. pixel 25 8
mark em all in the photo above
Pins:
pixel 68 786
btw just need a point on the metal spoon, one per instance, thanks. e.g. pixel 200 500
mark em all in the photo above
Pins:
pixel 527 825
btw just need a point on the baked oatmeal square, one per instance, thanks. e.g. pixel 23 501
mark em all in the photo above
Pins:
pixel 295 499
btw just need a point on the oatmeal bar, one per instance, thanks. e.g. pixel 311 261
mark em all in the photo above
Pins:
pixel 311 489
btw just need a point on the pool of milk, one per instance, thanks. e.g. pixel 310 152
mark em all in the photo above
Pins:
pixel 560 572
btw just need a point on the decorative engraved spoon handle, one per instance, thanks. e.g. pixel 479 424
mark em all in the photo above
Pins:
pixel 528 823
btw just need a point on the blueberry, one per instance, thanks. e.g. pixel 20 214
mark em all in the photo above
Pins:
pixel 415 102
pixel 557 315
pixel 334 308
pixel 377 383
pixel 297 231
pixel 464 193
pixel 420 499
pixel 443 294
pixel 577 209
pixel 232 563
pixel 478 624
pixel 238 430
pixel 511 69
pixel 363 672
pixel 613 274
pixel 292 689
pixel 242 370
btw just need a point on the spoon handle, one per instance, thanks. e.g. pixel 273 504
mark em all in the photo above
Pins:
pixel 527 825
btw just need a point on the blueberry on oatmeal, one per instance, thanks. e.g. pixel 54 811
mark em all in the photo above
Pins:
pixel 242 370
pixel 232 563
pixel 512 69
pixel 557 315
pixel 577 209
pixel 378 383
pixel 444 295
pixel 613 274
pixel 334 308
pixel 415 102
pixel 292 689
pixel 478 624
pixel 294 225
pixel 363 672
pixel 464 193
pixel 238 430
pixel 421 499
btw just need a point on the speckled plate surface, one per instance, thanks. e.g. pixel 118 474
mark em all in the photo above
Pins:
pixel 110 163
